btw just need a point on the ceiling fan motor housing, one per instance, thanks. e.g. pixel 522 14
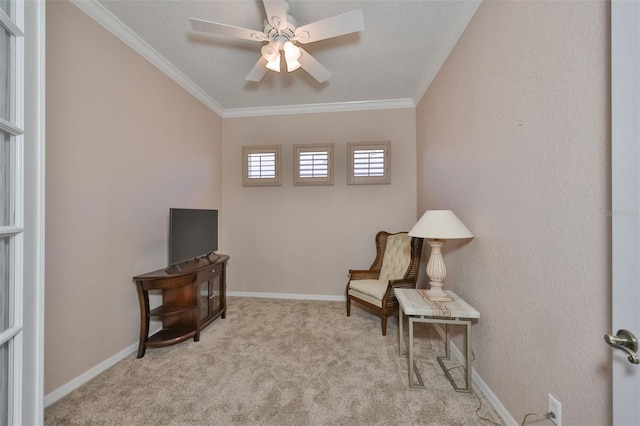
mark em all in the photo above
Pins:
pixel 285 34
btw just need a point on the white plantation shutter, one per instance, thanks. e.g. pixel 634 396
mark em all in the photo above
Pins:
pixel 369 163
pixel 313 164
pixel 261 165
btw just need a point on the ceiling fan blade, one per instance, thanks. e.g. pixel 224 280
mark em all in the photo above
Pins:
pixel 258 71
pixel 335 26
pixel 313 67
pixel 276 11
pixel 226 30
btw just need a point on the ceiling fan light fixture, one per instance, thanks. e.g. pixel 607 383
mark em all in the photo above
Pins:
pixel 275 64
pixel 270 52
pixel 291 51
pixel 291 54
pixel 293 65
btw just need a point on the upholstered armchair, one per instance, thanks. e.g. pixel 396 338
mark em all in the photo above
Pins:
pixel 395 266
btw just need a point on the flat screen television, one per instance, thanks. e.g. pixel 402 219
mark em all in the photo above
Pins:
pixel 193 233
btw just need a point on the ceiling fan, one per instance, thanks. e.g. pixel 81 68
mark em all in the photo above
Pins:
pixel 282 34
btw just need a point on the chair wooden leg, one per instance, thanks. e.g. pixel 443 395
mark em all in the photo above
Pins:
pixel 384 325
pixel 348 306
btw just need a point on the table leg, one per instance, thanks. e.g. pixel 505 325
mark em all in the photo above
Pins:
pixel 411 351
pixel 413 368
pixel 469 356
pixel 468 379
pixel 400 330
pixel 447 342
pixel 143 298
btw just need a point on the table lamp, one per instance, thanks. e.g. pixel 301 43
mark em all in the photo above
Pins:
pixel 438 226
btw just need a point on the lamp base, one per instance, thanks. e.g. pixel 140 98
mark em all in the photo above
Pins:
pixel 436 272
pixel 436 294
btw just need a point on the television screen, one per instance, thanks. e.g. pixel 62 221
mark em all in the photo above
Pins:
pixel 192 233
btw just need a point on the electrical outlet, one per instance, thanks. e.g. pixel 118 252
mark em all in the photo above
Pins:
pixel 555 408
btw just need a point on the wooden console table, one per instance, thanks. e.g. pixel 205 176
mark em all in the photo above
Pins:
pixel 193 295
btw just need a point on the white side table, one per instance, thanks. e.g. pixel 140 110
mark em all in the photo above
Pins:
pixel 418 309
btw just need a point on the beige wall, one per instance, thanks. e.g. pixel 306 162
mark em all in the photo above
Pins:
pixel 513 135
pixel 124 143
pixel 304 239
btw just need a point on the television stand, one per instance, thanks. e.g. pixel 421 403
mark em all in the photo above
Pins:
pixel 173 269
pixel 193 296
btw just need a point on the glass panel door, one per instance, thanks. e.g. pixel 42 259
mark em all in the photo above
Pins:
pixel 215 293
pixel 204 299
pixel 11 197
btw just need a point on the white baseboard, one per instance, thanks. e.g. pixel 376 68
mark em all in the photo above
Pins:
pixel 293 296
pixel 88 375
pixel 507 418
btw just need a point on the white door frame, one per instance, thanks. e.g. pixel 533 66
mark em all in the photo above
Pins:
pixel 34 219
pixel 625 211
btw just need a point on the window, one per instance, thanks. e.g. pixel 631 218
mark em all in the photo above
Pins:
pixel 261 165
pixel 369 163
pixel 11 218
pixel 313 164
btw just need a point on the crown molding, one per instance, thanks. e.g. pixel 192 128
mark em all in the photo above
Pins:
pixel 319 108
pixel 105 18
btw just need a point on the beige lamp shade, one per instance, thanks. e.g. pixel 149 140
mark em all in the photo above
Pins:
pixel 440 224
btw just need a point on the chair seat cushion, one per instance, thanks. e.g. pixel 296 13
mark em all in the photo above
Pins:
pixel 370 290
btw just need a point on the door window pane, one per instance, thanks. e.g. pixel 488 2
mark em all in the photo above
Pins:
pixel 5 5
pixel 5 179
pixel 4 384
pixel 5 74
pixel 5 284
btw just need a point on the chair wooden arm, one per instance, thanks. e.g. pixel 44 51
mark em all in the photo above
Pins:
pixel 390 296
pixel 403 283
pixel 363 274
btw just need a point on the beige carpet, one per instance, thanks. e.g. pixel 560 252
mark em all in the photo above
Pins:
pixel 277 362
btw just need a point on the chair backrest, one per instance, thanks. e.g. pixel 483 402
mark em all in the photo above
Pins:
pixel 396 258
pixel 414 255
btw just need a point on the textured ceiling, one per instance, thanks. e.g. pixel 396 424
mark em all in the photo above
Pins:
pixel 393 59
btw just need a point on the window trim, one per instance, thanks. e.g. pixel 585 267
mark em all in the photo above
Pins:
pixel 262 149
pixel 369 180
pixel 319 180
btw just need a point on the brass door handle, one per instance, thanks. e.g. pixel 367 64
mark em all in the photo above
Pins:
pixel 625 341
